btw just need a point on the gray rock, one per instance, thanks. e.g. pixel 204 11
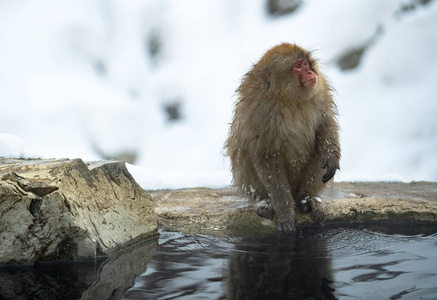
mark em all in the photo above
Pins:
pixel 69 210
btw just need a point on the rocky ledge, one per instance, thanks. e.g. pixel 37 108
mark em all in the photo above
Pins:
pixel 222 211
pixel 74 210
pixel 70 210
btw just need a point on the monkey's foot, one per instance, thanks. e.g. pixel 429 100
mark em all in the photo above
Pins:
pixel 318 212
pixel 265 210
pixel 305 206
pixel 286 225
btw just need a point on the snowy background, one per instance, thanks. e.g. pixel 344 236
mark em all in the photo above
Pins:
pixel 152 82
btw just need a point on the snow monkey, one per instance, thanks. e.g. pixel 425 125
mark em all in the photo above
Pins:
pixel 283 141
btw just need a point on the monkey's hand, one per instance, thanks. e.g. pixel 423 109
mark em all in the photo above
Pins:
pixel 331 166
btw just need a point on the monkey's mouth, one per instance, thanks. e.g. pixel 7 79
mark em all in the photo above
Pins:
pixel 310 82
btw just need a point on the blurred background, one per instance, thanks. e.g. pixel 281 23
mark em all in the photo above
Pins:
pixel 152 82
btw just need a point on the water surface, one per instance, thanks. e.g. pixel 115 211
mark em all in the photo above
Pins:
pixel 360 262
pixel 316 263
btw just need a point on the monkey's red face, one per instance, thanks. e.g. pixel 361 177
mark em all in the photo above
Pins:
pixel 307 76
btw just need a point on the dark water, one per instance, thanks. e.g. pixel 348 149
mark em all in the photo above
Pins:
pixel 343 263
pixel 389 262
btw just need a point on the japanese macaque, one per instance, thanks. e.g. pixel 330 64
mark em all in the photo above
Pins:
pixel 283 141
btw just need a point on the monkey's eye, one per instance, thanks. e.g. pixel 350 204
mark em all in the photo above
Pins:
pixel 297 66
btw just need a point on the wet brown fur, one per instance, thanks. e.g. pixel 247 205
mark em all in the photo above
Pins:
pixel 282 134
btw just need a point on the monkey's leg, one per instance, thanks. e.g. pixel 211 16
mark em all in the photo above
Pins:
pixel 310 188
pixel 273 176
pixel 249 182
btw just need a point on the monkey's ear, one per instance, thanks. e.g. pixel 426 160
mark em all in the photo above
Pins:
pixel 266 75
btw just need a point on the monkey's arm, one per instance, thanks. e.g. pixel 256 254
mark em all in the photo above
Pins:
pixel 328 146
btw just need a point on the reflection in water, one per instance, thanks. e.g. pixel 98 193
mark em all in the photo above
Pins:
pixel 184 267
pixel 280 267
pixel 385 262
pixel 105 279
pixel 202 267
pixel 316 263
pixel 47 281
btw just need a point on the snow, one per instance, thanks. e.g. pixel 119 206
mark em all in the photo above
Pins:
pixel 12 146
pixel 77 80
